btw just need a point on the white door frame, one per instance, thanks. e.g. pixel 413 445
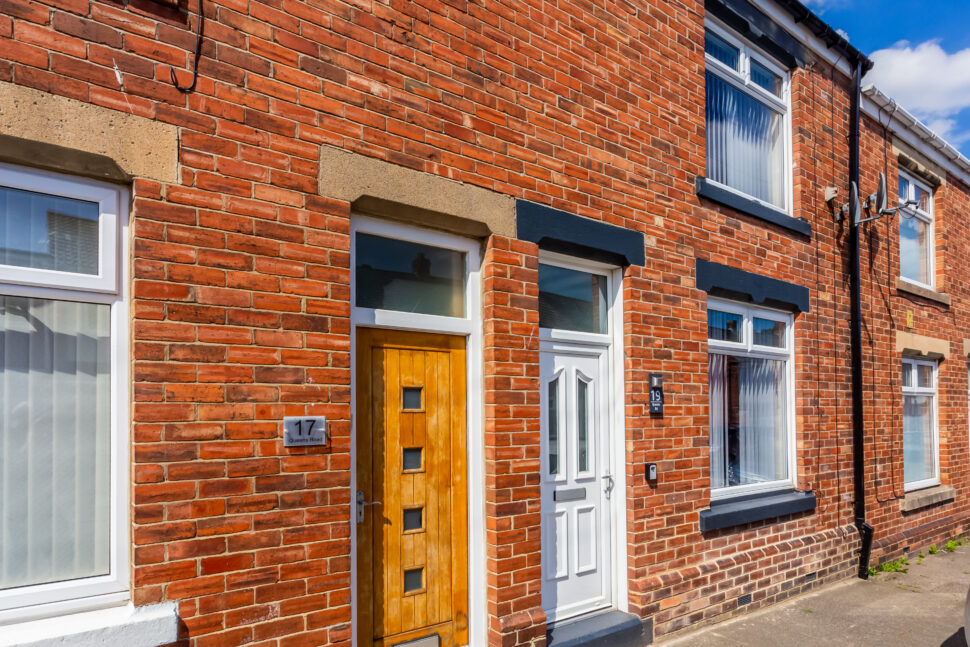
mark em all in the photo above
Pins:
pixel 565 340
pixel 470 327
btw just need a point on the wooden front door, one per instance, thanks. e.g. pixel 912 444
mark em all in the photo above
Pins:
pixel 411 501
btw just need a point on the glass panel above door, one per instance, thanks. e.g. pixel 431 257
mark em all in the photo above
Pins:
pixel 409 277
pixel 572 300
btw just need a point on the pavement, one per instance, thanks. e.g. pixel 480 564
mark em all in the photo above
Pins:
pixel 923 607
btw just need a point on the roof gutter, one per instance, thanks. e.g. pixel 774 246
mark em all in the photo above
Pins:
pixel 921 135
pixel 832 39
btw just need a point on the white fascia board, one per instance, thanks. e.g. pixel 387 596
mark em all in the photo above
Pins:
pixel 913 132
pixel 131 626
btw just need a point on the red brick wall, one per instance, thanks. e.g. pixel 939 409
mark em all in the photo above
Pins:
pixel 241 291
pixel 510 313
pixel 886 307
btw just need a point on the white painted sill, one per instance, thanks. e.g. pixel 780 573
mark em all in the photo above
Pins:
pixel 130 626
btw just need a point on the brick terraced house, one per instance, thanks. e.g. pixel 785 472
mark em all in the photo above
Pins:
pixel 462 322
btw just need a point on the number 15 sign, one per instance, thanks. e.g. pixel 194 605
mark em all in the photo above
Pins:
pixel 301 431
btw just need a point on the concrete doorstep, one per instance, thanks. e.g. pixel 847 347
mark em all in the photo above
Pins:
pixel 923 607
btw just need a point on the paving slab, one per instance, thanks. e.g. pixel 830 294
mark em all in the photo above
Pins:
pixel 923 607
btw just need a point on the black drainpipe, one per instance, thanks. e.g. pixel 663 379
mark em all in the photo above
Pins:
pixel 858 430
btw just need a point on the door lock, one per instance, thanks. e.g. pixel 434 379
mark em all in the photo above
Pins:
pixel 361 504
pixel 609 485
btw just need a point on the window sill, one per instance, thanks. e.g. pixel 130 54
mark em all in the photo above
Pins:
pixel 756 507
pixel 749 206
pixel 927 497
pixel 902 285
pixel 147 626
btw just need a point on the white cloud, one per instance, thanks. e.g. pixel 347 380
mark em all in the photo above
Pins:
pixel 819 6
pixel 926 80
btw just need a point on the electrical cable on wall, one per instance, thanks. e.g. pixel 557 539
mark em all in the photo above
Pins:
pixel 195 61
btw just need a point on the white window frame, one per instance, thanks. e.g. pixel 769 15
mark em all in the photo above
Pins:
pixel 747 348
pixel 741 79
pixel 380 318
pixel 104 195
pixel 934 411
pixel 924 216
pixel 72 596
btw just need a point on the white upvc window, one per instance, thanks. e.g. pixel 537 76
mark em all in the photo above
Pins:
pixel 921 441
pixel 415 279
pixel 752 403
pixel 63 394
pixel 916 239
pixel 748 120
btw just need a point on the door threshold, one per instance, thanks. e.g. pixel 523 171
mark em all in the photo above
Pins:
pixel 607 627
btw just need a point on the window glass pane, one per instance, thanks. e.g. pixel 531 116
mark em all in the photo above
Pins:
pixel 924 376
pixel 572 300
pixel 411 460
pixel 582 398
pixel 48 232
pixel 554 426
pixel 748 419
pixel 903 189
pixel 409 277
pixel 411 398
pixel 918 456
pixel 769 333
pixel 745 143
pixel 412 519
pixel 54 440
pixel 724 326
pixel 413 579
pixel 914 248
pixel 764 77
pixel 721 50
pixel 907 374
pixel 922 198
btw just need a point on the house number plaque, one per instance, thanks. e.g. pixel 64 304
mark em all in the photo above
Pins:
pixel 303 431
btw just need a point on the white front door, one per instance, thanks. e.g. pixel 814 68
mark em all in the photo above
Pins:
pixel 577 482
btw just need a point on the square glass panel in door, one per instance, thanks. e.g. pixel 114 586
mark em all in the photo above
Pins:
pixel 412 459
pixel 48 232
pixel 412 518
pixel 401 275
pixel 411 398
pixel 572 300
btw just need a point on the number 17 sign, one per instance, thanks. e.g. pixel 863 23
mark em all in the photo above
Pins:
pixel 302 431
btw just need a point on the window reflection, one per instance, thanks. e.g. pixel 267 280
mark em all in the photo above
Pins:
pixel 409 277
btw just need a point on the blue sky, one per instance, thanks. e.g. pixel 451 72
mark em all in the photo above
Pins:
pixel 921 52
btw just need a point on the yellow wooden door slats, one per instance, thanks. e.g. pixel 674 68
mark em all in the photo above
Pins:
pixel 412 582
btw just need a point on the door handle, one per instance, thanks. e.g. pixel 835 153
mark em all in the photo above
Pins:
pixel 610 483
pixel 361 504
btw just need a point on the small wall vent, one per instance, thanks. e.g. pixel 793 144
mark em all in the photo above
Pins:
pixel 744 599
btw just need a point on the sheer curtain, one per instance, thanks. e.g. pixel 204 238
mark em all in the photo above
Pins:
pixel 718 420
pixel 748 410
pixel 745 147
pixel 762 410
pixel 918 457
pixel 54 440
